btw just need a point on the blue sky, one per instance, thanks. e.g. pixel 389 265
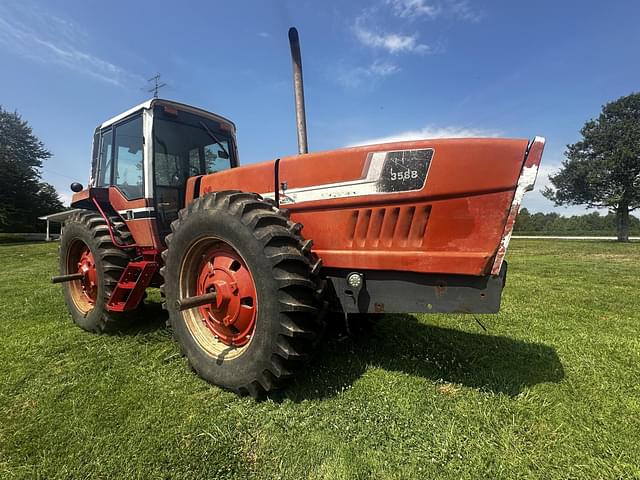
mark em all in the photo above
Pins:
pixel 373 70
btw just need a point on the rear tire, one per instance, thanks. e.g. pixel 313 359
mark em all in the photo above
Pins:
pixel 239 239
pixel 85 244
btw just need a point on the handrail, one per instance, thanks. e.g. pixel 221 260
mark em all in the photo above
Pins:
pixel 111 235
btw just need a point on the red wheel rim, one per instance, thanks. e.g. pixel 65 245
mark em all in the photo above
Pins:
pixel 83 292
pixel 232 317
pixel 89 282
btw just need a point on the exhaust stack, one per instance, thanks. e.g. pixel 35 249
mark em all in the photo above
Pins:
pixel 298 90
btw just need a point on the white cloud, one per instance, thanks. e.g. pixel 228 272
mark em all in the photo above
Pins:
pixel 428 132
pixel 391 42
pixel 461 10
pixel 65 197
pixel 35 34
pixel 368 32
pixel 413 8
pixel 544 172
pixel 356 76
pixel 383 69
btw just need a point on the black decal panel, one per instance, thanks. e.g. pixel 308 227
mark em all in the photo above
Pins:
pixel 404 171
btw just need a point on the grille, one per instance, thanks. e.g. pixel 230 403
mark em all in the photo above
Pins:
pixel 390 227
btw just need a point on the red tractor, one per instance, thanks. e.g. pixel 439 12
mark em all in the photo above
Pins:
pixel 250 259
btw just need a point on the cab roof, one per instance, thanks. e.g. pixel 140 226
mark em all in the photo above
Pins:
pixel 149 104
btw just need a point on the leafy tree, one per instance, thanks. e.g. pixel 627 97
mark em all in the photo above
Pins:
pixel 23 197
pixel 603 169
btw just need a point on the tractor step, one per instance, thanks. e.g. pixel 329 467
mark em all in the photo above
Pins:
pixel 133 282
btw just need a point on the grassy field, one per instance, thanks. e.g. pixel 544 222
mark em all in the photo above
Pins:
pixel 552 390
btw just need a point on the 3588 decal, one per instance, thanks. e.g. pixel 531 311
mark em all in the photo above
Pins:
pixel 403 175
pixel 404 170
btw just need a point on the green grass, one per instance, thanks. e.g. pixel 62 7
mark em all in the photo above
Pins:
pixel 550 391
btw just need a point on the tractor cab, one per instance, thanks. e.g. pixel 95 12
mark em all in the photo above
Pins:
pixel 148 153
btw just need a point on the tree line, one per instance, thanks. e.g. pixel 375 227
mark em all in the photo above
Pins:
pixel 554 224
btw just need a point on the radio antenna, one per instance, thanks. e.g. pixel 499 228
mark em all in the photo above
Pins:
pixel 157 85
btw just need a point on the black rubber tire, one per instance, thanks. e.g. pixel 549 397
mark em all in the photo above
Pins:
pixel 110 261
pixel 288 289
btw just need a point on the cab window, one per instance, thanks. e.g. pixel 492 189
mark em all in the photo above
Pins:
pixel 184 147
pixel 129 158
pixel 215 158
pixel 104 159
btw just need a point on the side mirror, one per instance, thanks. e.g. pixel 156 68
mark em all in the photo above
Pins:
pixel 76 187
pixel 223 154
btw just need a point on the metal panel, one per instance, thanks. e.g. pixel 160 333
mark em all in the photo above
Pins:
pixel 526 181
pixel 408 292
pixel 452 225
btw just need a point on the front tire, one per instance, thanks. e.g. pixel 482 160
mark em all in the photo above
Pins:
pixel 86 247
pixel 265 320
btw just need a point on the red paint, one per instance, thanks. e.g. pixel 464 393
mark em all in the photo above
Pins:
pixel 87 266
pixel 233 316
pixel 135 279
pixel 145 233
pixel 120 202
pixel 143 230
pixel 458 218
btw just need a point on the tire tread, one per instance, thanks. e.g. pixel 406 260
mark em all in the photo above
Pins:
pixel 295 270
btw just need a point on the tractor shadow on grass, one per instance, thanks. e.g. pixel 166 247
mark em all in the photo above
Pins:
pixel 400 343
pixel 150 323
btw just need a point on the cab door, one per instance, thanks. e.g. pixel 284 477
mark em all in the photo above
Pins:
pixel 121 168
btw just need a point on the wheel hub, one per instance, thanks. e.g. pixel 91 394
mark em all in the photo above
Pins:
pixel 231 318
pixel 87 266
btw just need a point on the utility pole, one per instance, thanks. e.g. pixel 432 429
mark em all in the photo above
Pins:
pixel 157 85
